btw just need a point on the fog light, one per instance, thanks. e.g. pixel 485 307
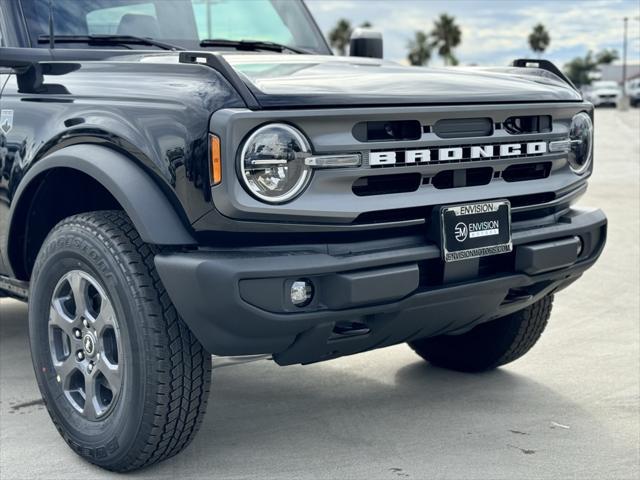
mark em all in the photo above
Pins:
pixel 580 247
pixel 301 293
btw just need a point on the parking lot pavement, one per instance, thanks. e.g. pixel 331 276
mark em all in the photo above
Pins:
pixel 569 409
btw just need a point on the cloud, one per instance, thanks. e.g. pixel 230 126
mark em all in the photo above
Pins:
pixel 334 6
pixel 495 31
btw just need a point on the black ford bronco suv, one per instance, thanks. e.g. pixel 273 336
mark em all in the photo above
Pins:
pixel 193 177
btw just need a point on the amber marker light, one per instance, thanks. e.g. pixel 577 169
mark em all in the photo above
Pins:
pixel 216 160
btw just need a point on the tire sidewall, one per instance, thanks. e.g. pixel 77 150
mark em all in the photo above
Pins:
pixel 74 248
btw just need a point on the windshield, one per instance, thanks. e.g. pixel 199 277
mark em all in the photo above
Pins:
pixel 180 22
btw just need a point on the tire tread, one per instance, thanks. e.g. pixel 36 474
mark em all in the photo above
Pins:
pixel 178 386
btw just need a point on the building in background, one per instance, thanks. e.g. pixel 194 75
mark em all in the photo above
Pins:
pixel 614 71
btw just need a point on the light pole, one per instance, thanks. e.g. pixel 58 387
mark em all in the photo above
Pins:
pixel 624 103
pixel 624 57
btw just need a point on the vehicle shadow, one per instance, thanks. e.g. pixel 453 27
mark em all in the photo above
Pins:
pixel 326 421
pixel 383 414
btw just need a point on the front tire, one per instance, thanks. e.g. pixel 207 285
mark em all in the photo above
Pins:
pixel 124 380
pixel 488 345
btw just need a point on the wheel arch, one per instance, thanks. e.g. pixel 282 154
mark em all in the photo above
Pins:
pixel 106 179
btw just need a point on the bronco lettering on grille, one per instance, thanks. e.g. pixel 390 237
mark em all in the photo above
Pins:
pixel 448 154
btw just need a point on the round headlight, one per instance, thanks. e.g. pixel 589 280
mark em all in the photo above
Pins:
pixel 581 137
pixel 272 165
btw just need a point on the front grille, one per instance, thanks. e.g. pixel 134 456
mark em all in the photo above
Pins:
pixel 416 159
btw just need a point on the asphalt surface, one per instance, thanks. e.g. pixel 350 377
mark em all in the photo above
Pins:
pixel 569 409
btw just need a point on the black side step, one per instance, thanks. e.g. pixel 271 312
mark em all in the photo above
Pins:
pixel 14 288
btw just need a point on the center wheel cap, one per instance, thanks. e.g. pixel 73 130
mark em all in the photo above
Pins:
pixel 89 344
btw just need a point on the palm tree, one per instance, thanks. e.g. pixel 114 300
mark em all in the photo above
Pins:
pixel 539 39
pixel 607 57
pixel 340 35
pixel 419 49
pixel 446 36
pixel 580 69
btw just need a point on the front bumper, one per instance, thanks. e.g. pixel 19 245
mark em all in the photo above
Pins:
pixel 371 295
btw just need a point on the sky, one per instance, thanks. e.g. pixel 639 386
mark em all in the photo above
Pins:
pixel 494 32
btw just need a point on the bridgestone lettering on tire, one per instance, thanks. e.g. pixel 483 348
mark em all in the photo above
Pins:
pixel 157 409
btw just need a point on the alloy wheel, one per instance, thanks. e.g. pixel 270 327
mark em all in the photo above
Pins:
pixel 85 347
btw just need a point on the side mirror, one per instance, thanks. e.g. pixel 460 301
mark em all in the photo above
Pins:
pixel 365 43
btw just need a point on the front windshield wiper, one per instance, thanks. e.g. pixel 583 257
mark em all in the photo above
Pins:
pixel 251 45
pixel 102 40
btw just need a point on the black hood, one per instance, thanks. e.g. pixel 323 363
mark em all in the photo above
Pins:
pixel 283 80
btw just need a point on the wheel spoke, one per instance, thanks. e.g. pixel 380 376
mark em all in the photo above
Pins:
pixel 65 368
pixel 105 318
pixel 112 373
pixel 59 318
pixel 79 290
pixel 90 400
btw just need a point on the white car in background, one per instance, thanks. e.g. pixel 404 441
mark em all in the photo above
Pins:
pixel 604 92
pixel 633 90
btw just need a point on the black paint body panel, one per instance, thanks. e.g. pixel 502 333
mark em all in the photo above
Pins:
pixel 298 81
pixel 155 113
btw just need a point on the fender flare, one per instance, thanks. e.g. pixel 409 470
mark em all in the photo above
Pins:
pixel 152 213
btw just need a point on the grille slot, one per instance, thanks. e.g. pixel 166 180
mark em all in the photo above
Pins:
pixel 463 127
pixel 533 199
pixel 527 171
pixel 470 177
pixel 385 184
pixel 528 124
pixel 387 131
pixel 394 215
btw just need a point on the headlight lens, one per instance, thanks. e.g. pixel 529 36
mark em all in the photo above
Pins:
pixel 581 138
pixel 272 165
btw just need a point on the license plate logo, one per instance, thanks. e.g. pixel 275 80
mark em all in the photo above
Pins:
pixel 475 230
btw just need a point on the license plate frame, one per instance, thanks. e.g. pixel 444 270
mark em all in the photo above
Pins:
pixel 475 230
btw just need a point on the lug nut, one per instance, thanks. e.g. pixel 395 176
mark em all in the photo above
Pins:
pixel 80 356
pixel 77 333
pixel 85 322
pixel 90 367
